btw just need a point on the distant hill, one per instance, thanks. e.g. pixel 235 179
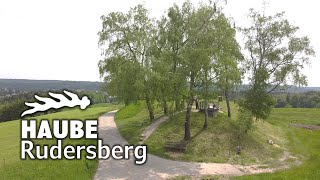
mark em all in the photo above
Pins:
pixel 295 89
pixel 289 89
pixel 40 85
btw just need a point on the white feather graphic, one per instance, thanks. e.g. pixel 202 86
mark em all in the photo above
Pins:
pixel 51 103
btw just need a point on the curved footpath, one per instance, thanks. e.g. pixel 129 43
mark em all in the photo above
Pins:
pixel 156 167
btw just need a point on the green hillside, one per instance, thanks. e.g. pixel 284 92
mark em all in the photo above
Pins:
pixel 11 167
pixel 298 148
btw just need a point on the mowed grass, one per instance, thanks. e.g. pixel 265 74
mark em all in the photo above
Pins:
pixel 217 143
pixel 302 142
pixel 11 167
pixel 133 119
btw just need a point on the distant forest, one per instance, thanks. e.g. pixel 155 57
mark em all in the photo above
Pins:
pixel 14 92
pixel 39 85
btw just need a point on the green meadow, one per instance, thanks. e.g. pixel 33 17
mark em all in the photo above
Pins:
pixel 215 144
pixel 303 143
pixel 11 167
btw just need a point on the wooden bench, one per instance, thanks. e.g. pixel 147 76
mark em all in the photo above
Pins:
pixel 176 146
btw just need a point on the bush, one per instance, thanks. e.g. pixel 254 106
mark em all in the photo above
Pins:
pixel 244 123
pixel 11 111
pixel 281 103
pixel 258 102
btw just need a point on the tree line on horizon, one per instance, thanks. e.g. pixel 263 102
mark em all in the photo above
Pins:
pixel 11 107
pixel 179 56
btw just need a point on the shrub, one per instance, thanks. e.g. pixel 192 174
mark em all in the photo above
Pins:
pixel 243 123
pixel 11 111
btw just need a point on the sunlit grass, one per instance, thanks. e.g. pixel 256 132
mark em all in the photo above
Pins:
pixel 11 167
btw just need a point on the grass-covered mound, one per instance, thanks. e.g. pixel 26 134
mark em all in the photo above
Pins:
pixel 217 143
pixel 11 167
pixel 301 142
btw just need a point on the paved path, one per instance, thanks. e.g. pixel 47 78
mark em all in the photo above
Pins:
pixel 155 167
pixel 149 130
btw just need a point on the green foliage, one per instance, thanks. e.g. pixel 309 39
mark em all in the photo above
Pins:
pixel 276 53
pixel 244 123
pixel 281 103
pixel 259 102
pixel 309 99
pixel 165 60
pixel 14 105
pixel 274 49
pixel 126 42
pixel 12 110
pixel 227 56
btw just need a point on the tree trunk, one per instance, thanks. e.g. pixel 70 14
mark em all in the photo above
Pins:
pixel 228 103
pixel 182 105
pixel 177 103
pixel 126 102
pixel 187 135
pixel 150 108
pixel 165 106
pixel 205 126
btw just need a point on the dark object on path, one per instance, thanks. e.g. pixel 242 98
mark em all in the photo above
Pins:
pixel 269 141
pixel 197 104
pixel 176 146
pixel 238 149
pixel 212 108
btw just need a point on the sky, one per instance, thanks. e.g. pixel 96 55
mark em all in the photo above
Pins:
pixel 58 39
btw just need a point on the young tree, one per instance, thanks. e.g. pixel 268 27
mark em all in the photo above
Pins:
pixel 276 56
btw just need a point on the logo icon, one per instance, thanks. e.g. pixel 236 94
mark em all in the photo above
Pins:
pixel 51 103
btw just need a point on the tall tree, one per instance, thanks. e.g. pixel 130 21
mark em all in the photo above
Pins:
pixel 276 56
pixel 226 59
pixel 197 52
pixel 171 40
pixel 126 40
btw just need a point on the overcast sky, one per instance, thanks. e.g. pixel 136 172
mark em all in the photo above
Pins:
pixel 58 39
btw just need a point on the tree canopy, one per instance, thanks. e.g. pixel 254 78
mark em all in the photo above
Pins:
pixel 179 57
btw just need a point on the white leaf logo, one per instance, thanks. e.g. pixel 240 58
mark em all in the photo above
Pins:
pixel 51 103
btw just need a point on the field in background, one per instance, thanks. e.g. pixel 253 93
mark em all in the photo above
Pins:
pixel 11 167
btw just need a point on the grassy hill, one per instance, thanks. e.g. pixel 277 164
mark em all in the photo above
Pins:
pixel 303 143
pixel 133 119
pixel 298 147
pixel 11 167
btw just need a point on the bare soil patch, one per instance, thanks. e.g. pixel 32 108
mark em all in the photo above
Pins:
pixel 306 126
